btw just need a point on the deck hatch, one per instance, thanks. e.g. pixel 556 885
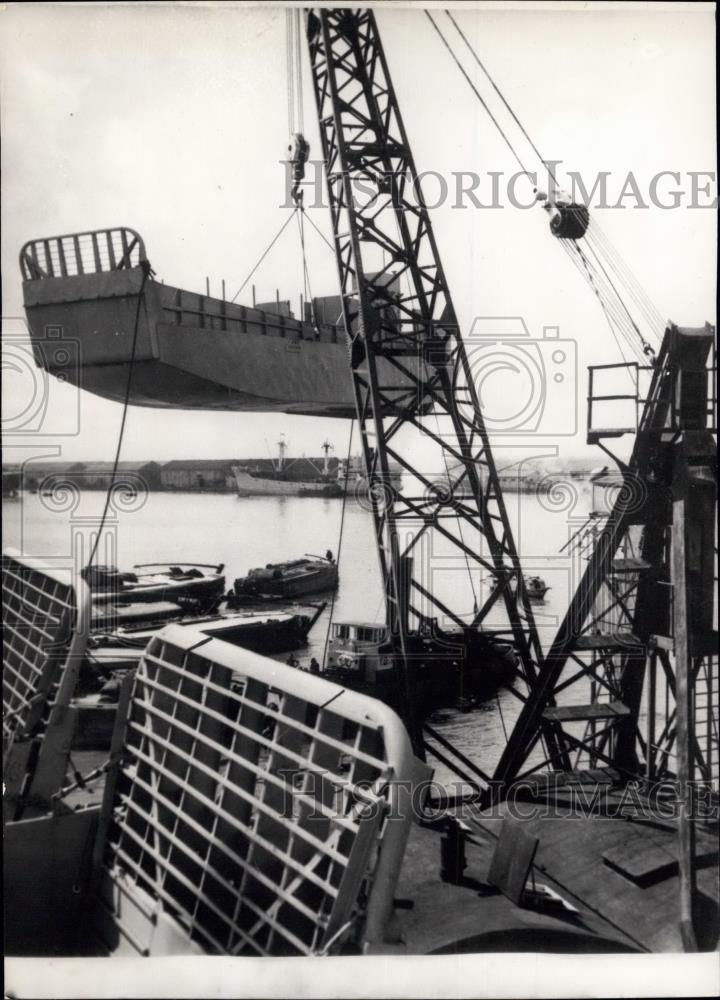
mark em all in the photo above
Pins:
pixel 257 808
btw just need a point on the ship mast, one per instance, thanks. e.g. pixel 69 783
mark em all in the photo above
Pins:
pixel 282 448
pixel 326 446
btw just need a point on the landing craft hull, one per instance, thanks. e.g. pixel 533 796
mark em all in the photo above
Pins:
pixel 192 351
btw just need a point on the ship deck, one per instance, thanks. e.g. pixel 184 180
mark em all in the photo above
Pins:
pixel 618 872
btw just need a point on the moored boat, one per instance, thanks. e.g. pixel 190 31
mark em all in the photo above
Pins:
pixel 186 584
pixel 262 631
pixel 360 657
pixel 291 579
pixel 304 478
pixel 536 588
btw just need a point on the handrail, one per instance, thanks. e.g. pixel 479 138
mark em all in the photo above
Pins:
pixel 92 252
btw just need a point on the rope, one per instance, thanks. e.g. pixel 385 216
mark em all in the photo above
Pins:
pixel 492 117
pixel 289 66
pixel 147 272
pixel 306 276
pixel 320 233
pixel 293 52
pixel 298 71
pixel 340 538
pixel 267 250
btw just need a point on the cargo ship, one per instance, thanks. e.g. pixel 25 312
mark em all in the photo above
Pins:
pixel 302 477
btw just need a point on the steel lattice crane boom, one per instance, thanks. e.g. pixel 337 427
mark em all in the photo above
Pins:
pixel 397 309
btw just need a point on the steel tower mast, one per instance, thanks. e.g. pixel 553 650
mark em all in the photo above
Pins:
pixel 399 317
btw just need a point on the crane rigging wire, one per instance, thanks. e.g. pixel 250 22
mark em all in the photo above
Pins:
pixel 478 95
pixel 600 288
pixel 293 56
pixel 289 52
pixel 147 274
pixel 601 265
pixel 570 248
pixel 500 94
pixel 652 313
pixel 645 345
pixel 266 251
pixel 298 70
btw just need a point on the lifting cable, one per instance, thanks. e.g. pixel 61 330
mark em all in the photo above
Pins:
pixel 319 231
pixel 601 259
pixel 492 117
pixel 571 251
pixel 147 273
pixel 500 94
pixel 298 70
pixel 289 55
pixel 306 274
pixel 652 314
pixel 293 53
pixel 266 251
pixel 340 537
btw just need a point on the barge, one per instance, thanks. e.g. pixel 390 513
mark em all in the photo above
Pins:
pixel 190 351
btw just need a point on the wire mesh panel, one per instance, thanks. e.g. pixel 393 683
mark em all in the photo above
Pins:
pixel 258 810
pixel 81 253
pixel 45 623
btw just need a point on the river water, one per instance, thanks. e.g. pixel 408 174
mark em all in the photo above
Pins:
pixel 246 532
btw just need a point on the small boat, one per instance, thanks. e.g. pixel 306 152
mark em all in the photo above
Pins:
pixel 321 490
pixel 185 584
pixel 536 588
pixel 359 657
pixel 295 578
pixel 262 631
pixel 120 633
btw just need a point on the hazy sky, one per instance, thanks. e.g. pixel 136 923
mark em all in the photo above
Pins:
pixel 172 120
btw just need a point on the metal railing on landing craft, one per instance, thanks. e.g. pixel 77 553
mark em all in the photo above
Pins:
pixel 92 252
pixel 257 810
pixel 46 616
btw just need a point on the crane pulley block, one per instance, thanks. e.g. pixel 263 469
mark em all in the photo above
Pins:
pixel 569 222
